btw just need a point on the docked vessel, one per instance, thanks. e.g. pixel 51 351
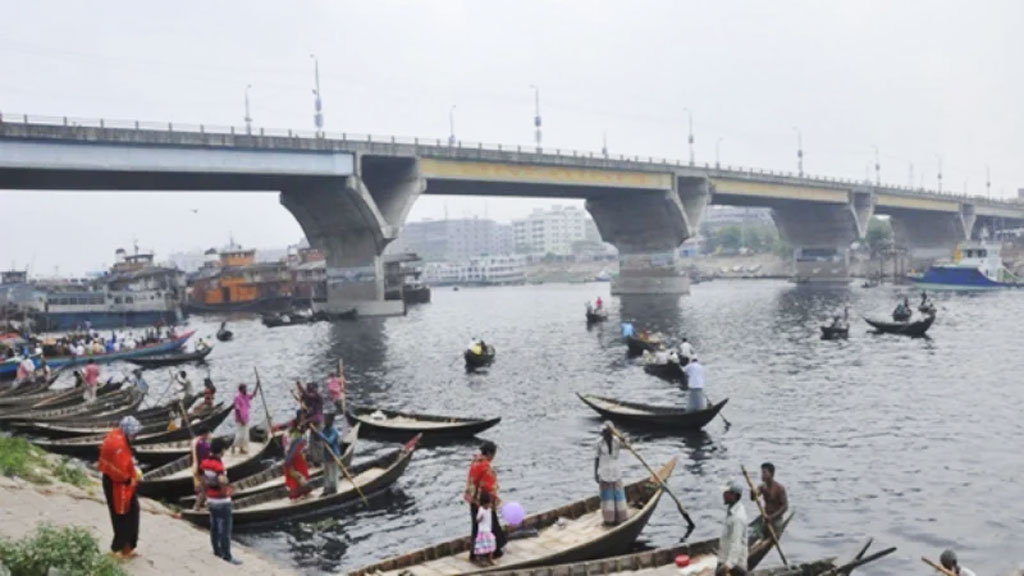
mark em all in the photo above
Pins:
pixel 977 265
pixel 232 281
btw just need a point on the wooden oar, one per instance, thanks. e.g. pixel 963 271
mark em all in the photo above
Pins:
pixel 764 517
pixel 342 466
pixel 344 392
pixel 938 567
pixel 188 421
pixel 857 562
pixel 679 505
pixel 720 415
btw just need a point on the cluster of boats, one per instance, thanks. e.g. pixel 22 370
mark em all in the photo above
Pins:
pixel 903 323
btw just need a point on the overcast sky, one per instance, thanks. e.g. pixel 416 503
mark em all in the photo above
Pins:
pixel 917 79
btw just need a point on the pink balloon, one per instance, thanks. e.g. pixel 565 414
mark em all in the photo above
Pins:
pixel 513 513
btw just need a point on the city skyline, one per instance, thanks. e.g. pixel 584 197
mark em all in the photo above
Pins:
pixel 801 78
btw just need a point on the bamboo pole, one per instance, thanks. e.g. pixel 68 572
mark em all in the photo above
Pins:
pixel 342 466
pixel 940 568
pixel 764 517
pixel 664 487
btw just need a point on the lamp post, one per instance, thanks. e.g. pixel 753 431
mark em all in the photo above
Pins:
pixel 799 152
pixel 878 168
pixel 718 144
pixel 451 126
pixel 604 144
pixel 248 117
pixel 988 182
pixel 689 115
pixel 318 114
pixel 536 114
pixel 940 172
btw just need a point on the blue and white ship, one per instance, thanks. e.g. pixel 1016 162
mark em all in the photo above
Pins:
pixel 976 265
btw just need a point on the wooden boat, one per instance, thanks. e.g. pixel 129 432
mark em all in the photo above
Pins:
pixel 915 329
pixel 595 316
pixel 647 416
pixel 272 478
pixel 670 371
pixel 158 454
pixel 151 349
pixel 479 360
pixel 87 447
pixel 152 423
pixel 572 533
pixel 394 425
pixel 174 480
pixel 638 345
pixel 55 398
pixel 840 332
pixel 223 334
pixel 662 561
pixel 113 404
pixel 271 507
pixel 171 359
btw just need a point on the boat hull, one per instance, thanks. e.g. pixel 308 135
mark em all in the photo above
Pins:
pixel 174 488
pixel 9 369
pixel 460 429
pixel 835 332
pixel 479 360
pixel 958 278
pixel 913 329
pixel 663 418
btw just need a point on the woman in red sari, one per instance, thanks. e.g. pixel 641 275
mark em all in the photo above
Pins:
pixel 120 481
pixel 482 479
pixel 296 470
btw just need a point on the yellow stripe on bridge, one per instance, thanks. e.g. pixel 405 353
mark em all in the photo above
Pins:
pixel 441 169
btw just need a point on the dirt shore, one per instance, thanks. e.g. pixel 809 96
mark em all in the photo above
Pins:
pixel 167 545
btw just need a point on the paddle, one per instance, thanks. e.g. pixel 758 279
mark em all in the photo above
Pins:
pixel 938 567
pixel 679 505
pixel 344 391
pixel 720 415
pixel 342 466
pixel 764 517
pixel 859 561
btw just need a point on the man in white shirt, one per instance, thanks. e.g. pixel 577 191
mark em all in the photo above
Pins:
pixel 695 382
pixel 949 562
pixel 685 349
pixel 733 544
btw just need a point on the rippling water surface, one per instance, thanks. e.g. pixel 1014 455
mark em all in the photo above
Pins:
pixel 914 442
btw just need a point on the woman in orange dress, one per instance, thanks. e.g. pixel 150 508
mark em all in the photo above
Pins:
pixel 120 481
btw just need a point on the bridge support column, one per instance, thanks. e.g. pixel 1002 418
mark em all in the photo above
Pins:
pixel 353 224
pixel 647 229
pixel 929 236
pixel 821 234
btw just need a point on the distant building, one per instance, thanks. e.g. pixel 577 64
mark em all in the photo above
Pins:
pixel 453 240
pixel 552 231
pixel 483 271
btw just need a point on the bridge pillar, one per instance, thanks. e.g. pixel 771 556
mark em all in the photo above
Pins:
pixel 352 219
pixel 647 229
pixel 930 235
pixel 821 234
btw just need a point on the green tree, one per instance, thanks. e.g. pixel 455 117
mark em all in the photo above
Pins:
pixel 879 234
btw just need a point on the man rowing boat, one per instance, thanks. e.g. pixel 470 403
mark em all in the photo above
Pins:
pixel 776 501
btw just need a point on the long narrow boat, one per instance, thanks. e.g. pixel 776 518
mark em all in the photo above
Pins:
pixel 393 425
pixel 174 480
pixel 272 478
pixel 7 369
pixel 670 371
pixel 153 420
pixel 87 447
pixel 268 508
pixel 113 404
pixel 841 332
pixel 646 415
pixel 914 329
pixel 55 398
pixel 171 359
pixel 474 361
pixel 662 561
pixel 572 533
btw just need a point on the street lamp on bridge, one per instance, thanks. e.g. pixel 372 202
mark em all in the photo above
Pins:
pixel 940 172
pixel 988 182
pixel 799 152
pixel 604 144
pixel 878 168
pixel 718 144
pixel 536 114
pixel 318 114
pixel 248 117
pixel 689 115
pixel 451 126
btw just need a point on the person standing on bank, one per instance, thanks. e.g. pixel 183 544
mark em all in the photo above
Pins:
pixel 694 371
pixel 482 479
pixel 218 499
pixel 733 544
pixel 120 481
pixel 608 475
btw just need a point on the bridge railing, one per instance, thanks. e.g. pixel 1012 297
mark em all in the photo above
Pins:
pixel 443 144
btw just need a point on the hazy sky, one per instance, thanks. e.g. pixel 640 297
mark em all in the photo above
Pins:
pixel 917 79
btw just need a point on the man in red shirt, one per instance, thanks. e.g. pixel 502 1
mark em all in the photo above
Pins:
pixel 218 501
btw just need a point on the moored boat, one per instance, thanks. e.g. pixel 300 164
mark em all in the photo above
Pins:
pixel 915 329
pixel 272 507
pixel 171 359
pixel 174 480
pixel 153 421
pixel 977 265
pixel 648 416
pixel 394 425
pixel 8 369
pixel 571 533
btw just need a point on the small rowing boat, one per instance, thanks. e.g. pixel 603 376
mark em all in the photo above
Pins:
pixel 171 359
pixel 394 425
pixel 914 329
pixel 473 360
pixel 638 345
pixel 840 332
pixel 572 533
pixel 647 416
pixel 671 371
pixel 595 316
pixel 272 507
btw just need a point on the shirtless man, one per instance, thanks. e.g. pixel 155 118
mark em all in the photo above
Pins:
pixel 776 502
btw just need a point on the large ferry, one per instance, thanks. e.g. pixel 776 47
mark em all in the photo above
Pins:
pixel 976 265
pixel 134 292
pixel 232 281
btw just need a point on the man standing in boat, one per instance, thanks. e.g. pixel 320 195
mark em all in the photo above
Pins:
pixel 92 377
pixel 776 501
pixel 696 401
pixel 608 475
pixel 733 543
pixel 482 478
pixel 685 351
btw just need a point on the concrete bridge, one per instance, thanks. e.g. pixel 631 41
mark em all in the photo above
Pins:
pixel 351 194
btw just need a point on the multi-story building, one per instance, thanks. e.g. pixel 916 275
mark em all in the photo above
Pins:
pixel 453 240
pixel 481 271
pixel 551 231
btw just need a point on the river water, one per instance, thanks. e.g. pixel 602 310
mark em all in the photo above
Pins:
pixel 916 443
